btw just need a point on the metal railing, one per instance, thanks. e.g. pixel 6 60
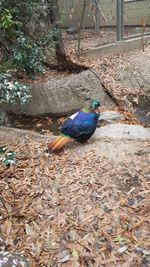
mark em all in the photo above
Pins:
pixel 120 20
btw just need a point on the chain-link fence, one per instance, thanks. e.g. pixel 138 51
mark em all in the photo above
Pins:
pixel 97 22
pixel 93 23
pixel 136 18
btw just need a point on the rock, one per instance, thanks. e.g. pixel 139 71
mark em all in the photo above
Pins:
pixel 104 142
pixel 142 105
pixel 13 259
pixel 110 116
pixel 59 96
pixel 121 131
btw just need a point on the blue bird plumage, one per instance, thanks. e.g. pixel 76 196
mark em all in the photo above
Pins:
pixel 80 126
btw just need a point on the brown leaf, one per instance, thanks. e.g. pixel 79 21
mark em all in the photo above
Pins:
pixel 91 214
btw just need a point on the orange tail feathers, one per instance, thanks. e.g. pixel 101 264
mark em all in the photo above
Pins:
pixel 59 143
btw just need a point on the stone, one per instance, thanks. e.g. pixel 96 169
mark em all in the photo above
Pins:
pixel 110 116
pixel 142 107
pixel 117 147
pixel 122 131
pixel 13 259
pixel 59 96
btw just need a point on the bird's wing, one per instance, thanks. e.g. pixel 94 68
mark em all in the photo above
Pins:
pixel 79 123
pixel 85 127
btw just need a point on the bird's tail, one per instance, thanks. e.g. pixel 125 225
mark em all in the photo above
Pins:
pixel 58 143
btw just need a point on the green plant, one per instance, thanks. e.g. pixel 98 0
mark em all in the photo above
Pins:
pixel 13 91
pixel 27 55
pixel 3 118
pixel 22 50
pixel 7 158
pixel 6 20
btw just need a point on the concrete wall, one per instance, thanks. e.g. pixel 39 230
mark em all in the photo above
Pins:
pixel 116 48
pixel 71 10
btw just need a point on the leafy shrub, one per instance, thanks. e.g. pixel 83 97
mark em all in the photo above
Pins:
pixel 11 91
pixel 19 50
pixel 27 56
pixel 23 51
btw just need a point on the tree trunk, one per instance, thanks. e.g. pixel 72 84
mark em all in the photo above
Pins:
pixel 63 60
pixel 54 18
pixel 80 25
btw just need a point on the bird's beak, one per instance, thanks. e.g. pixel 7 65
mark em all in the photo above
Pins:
pixel 99 109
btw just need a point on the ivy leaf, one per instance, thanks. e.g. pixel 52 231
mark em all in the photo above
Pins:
pixel 3 149
pixel 9 159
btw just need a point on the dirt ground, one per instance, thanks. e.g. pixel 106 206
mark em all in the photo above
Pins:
pixel 121 74
pixel 126 78
pixel 79 207
pixel 88 39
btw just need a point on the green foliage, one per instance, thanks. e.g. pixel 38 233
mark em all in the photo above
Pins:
pixel 3 118
pixel 19 50
pixel 6 66
pixel 6 20
pixel 50 39
pixel 25 52
pixel 7 158
pixel 11 91
pixel 27 55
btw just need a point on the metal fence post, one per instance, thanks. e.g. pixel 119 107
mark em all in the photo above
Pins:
pixel 120 20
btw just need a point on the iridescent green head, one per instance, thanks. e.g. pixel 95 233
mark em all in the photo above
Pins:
pixel 95 104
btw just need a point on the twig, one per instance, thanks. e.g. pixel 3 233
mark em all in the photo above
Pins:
pixel 3 202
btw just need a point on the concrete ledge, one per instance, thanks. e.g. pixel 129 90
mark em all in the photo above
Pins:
pixel 116 48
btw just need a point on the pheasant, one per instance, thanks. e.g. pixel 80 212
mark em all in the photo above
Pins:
pixel 80 126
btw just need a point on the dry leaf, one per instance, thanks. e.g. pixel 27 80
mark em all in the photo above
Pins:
pixel 29 230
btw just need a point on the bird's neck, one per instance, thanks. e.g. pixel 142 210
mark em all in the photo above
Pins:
pixel 86 110
pixel 90 110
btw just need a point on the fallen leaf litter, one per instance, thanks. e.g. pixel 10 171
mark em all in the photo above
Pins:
pixel 62 210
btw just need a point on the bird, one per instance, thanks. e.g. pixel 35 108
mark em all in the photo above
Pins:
pixel 80 126
pixel 72 30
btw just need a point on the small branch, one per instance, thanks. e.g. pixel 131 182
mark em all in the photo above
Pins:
pixel 3 202
pixel 143 30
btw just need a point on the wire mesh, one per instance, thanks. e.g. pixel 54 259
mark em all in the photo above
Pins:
pixel 136 18
pixel 99 25
pixel 97 28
